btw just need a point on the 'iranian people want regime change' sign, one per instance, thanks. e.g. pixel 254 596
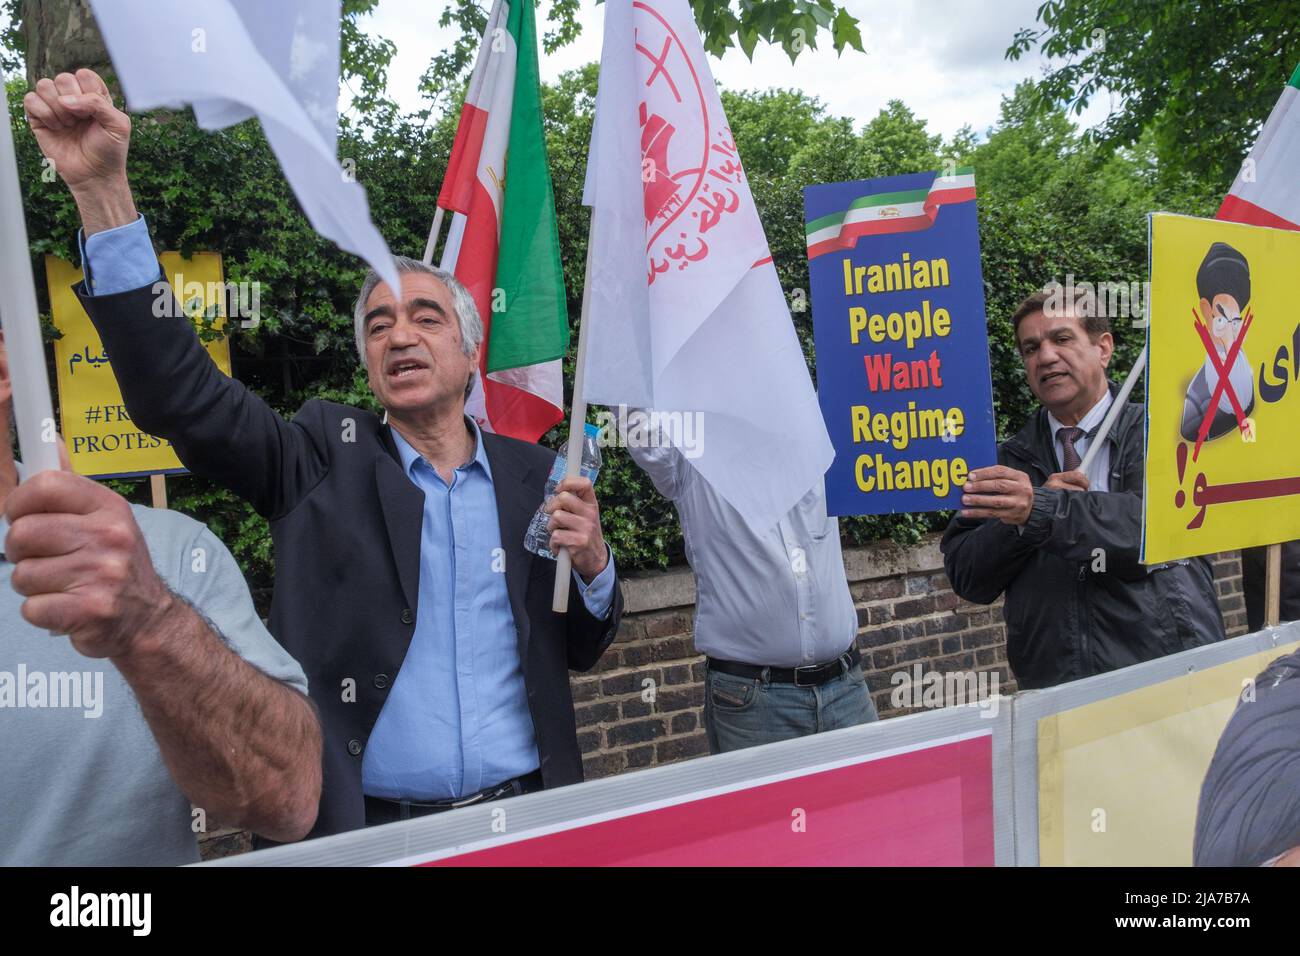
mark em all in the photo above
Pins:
pixel 902 348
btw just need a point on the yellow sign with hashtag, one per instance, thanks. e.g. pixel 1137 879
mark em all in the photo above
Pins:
pixel 102 440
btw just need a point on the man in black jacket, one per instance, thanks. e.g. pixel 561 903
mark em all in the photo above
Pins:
pixel 402 583
pixel 1062 545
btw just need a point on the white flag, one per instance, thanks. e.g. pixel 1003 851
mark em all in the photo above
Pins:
pixel 234 59
pixel 687 313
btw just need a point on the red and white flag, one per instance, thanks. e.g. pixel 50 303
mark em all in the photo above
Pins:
pixel 686 312
pixel 1267 190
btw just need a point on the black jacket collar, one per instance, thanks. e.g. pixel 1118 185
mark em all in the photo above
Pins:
pixel 1036 444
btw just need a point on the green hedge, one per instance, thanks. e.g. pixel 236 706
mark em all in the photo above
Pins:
pixel 1049 205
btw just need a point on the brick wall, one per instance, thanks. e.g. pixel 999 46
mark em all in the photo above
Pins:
pixel 907 613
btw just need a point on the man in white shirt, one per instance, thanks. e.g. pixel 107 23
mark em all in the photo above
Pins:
pixel 1062 545
pixel 773 611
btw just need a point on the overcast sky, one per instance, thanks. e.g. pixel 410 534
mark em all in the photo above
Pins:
pixel 943 58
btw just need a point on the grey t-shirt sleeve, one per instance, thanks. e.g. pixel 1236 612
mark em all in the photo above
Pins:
pixel 198 567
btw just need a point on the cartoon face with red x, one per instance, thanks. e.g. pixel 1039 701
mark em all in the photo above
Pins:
pixel 1221 395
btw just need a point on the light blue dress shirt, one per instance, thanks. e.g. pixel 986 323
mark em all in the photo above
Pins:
pixel 118 260
pixel 456 720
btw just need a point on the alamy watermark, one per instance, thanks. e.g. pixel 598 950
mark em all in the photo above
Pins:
pixel 75 690
pixel 1114 300
pixel 133 911
pixel 919 688
pixel 235 300
pixel 642 428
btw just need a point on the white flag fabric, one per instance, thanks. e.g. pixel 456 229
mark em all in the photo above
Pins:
pixel 686 311
pixel 234 59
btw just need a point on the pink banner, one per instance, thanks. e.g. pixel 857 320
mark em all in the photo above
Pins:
pixel 927 807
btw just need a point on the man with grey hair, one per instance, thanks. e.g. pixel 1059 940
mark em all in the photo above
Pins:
pixel 466 312
pixel 402 584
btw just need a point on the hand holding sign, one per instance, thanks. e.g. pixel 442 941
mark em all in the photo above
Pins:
pixel 998 492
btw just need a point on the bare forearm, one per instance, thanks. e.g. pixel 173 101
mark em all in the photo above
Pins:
pixel 105 204
pixel 243 747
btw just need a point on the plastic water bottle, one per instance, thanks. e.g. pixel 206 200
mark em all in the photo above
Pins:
pixel 538 537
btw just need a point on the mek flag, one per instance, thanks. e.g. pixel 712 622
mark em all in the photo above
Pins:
pixel 687 313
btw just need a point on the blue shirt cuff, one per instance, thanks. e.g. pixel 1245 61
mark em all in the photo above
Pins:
pixel 599 594
pixel 118 260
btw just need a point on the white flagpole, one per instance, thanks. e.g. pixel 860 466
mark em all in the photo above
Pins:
pixel 1094 447
pixel 33 410
pixel 577 422
pixel 433 237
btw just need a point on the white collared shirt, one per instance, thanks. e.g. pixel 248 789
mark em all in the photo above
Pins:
pixel 1098 472
pixel 777 599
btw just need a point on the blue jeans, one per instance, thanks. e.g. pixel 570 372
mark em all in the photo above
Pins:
pixel 741 712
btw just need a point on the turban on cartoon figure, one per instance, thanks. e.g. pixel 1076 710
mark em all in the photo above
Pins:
pixel 1223 284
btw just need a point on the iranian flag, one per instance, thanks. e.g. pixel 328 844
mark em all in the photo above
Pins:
pixel 1267 190
pixel 503 244
pixel 906 211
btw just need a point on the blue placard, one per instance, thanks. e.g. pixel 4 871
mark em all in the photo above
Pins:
pixel 902 348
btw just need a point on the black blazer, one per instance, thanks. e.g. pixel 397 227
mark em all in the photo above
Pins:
pixel 345 520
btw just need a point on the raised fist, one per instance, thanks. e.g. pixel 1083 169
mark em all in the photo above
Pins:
pixel 79 130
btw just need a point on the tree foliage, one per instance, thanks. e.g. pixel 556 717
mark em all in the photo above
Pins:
pixel 794 25
pixel 1199 76
pixel 1051 203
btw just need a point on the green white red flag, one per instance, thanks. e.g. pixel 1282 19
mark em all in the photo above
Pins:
pixel 1267 189
pixel 503 242
pixel 906 211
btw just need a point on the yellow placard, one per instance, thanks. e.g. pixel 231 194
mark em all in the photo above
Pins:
pixel 1119 779
pixel 102 441
pixel 1222 463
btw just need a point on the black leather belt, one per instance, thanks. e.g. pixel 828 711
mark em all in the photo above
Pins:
pixel 381 810
pixel 810 675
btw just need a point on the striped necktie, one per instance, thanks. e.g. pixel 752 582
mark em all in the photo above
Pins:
pixel 1068 436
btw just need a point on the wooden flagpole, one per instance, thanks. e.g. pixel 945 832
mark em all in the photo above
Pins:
pixel 1273 586
pixel 433 237
pixel 577 422
pixel 33 409
pixel 158 490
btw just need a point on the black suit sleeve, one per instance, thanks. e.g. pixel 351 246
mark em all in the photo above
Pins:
pixel 588 636
pixel 219 428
